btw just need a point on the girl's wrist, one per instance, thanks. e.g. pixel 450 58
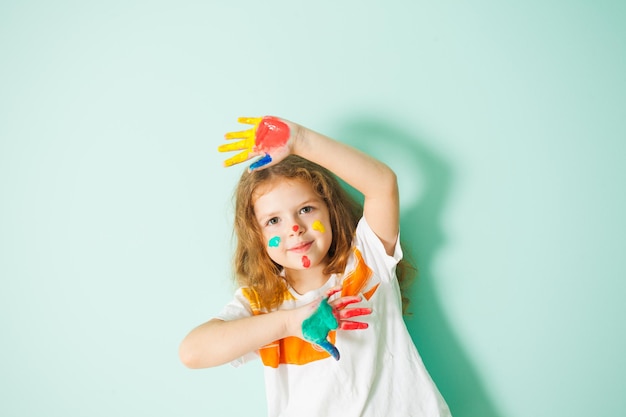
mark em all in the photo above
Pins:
pixel 298 137
pixel 292 323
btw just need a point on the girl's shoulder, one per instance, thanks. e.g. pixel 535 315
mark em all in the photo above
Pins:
pixel 369 257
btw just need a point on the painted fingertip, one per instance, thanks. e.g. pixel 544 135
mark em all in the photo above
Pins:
pixel 261 162
pixel 330 348
pixel 249 120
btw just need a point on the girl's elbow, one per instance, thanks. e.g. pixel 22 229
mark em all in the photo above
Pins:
pixel 386 176
pixel 193 358
pixel 391 181
pixel 200 348
pixel 391 176
pixel 187 356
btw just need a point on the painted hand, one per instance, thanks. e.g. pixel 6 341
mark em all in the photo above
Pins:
pixel 316 328
pixel 331 316
pixel 268 136
pixel 342 314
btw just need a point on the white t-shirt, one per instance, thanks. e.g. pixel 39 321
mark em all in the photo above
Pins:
pixel 380 372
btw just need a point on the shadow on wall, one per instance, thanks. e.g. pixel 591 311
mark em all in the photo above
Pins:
pixel 430 177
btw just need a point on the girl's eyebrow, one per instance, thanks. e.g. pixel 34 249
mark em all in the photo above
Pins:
pixel 264 217
pixel 309 202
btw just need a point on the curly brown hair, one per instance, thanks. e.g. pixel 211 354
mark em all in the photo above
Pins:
pixel 252 265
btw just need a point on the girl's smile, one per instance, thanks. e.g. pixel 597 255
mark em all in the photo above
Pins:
pixel 301 247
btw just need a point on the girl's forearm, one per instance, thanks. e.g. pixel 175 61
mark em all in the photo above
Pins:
pixel 363 172
pixel 217 342
pixel 375 180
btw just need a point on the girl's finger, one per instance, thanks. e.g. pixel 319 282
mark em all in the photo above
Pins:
pixel 353 325
pixel 332 291
pixel 342 302
pixel 354 312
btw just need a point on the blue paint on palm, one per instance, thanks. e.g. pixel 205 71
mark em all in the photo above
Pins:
pixel 261 162
pixel 316 328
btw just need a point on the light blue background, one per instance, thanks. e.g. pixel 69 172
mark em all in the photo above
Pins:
pixel 504 121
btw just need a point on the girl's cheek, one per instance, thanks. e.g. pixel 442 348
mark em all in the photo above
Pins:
pixel 318 226
pixel 274 242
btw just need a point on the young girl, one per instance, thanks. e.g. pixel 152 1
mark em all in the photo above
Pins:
pixel 305 247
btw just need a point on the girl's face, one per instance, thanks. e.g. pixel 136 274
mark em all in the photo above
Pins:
pixel 295 224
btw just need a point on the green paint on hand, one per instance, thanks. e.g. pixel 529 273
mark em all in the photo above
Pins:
pixel 317 326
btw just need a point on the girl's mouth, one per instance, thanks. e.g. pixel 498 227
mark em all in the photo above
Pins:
pixel 302 247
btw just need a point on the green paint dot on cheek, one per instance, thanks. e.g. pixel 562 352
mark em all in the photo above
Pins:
pixel 274 242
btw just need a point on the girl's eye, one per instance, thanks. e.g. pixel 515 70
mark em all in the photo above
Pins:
pixel 272 221
pixel 306 210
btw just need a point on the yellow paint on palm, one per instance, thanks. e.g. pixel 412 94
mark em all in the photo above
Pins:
pixel 245 144
pixel 267 135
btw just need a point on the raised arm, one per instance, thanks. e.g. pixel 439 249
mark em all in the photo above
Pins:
pixel 273 139
pixel 375 180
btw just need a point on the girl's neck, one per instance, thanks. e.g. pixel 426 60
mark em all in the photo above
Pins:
pixel 305 280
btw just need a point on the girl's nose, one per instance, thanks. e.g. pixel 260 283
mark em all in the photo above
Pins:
pixel 297 229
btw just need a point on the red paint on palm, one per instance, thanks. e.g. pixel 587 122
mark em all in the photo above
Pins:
pixel 271 133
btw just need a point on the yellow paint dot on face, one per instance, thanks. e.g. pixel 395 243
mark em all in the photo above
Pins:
pixel 317 225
